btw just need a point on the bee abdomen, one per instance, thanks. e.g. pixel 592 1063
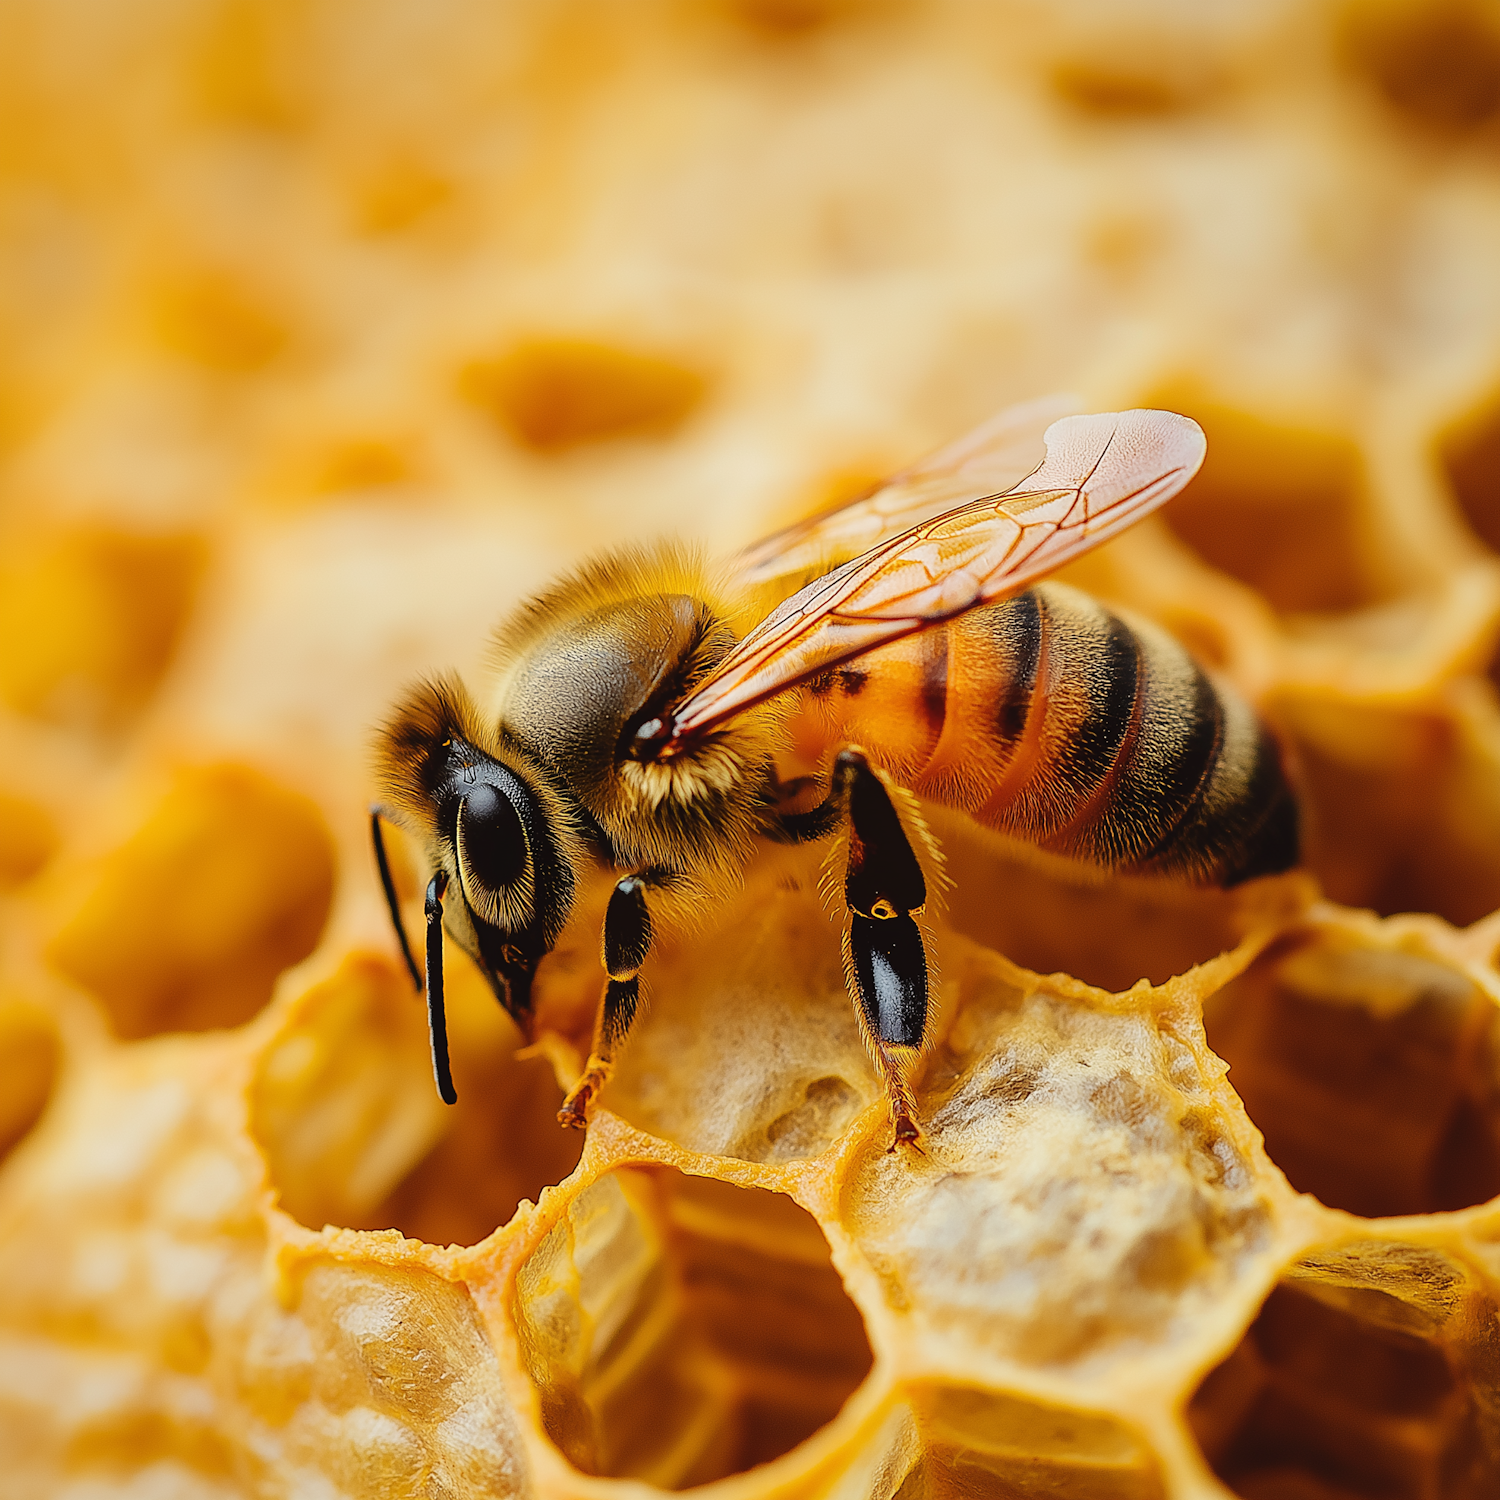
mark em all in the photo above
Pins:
pixel 1100 738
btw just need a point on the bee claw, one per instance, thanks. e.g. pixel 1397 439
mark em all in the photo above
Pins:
pixel 578 1106
pixel 905 1133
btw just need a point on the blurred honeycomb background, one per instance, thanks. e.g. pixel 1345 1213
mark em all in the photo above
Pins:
pixel 327 331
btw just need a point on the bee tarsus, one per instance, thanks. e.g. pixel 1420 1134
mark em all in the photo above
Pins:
pixel 627 941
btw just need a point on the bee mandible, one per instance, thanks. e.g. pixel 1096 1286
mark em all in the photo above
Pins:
pixel 914 643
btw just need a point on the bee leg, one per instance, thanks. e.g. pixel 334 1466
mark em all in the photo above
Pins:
pixel 884 889
pixel 627 941
pixel 377 837
pixel 437 1020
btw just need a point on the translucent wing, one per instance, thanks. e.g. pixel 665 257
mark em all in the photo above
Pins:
pixel 988 461
pixel 1101 474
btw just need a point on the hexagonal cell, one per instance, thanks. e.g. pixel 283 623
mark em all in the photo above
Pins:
pixel 28 839
pixel 1088 1184
pixel 344 1108
pixel 1470 455
pixel 1365 1376
pixel 748 1045
pixel 1401 806
pixel 1057 918
pixel 379 1380
pixel 91 616
pixel 979 1442
pixel 1436 63
pixel 1259 478
pixel 1373 1072
pixel 681 1329
pixel 553 393
pixel 29 1060
pixel 187 924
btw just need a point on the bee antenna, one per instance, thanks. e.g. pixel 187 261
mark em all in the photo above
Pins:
pixel 377 837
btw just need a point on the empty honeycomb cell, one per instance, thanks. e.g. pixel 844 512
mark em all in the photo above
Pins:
pixel 1399 806
pixel 1435 62
pixel 1470 455
pixel 364 464
pixel 552 393
pixel 186 925
pixel 986 1442
pixel 1121 90
pixel 28 838
pixel 1371 1069
pixel 91 616
pixel 346 1112
pixel 218 320
pixel 1058 918
pixel 342 1104
pixel 794 17
pixel 1352 1384
pixel 243 66
pixel 680 1329
pixel 1278 507
pixel 398 194
pixel 29 1057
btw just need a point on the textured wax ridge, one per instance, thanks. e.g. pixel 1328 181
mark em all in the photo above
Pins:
pixel 329 333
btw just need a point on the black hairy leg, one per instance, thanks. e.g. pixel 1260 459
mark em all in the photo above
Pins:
pixel 627 941
pixel 884 891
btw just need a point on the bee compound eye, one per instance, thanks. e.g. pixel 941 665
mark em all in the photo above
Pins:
pixel 494 842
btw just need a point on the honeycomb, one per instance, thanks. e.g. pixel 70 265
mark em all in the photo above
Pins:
pixel 327 332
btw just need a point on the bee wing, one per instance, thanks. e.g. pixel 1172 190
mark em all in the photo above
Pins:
pixel 990 460
pixel 1101 474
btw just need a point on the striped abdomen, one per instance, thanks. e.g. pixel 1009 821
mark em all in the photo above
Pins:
pixel 1049 718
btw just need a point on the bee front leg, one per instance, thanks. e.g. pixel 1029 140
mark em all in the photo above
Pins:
pixel 627 941
pixel 884 890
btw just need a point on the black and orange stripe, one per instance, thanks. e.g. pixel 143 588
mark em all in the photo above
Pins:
pixel 1055 720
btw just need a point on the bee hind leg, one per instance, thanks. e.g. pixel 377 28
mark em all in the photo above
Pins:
pixel 627 941
pixel 884 890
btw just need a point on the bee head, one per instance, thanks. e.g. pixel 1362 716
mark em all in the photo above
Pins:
pixel 492 823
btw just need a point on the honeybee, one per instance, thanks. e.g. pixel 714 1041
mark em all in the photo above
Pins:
pixel 915 644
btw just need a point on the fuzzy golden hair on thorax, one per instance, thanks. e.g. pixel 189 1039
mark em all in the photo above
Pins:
pixel 665 567
pixel 585 662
